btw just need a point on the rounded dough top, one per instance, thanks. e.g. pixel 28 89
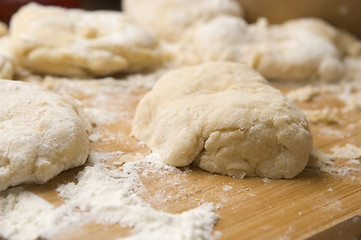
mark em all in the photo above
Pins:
pixel 53 40
pixel 169 19
pixel 42 134
pixel 297 50
pixel 226 118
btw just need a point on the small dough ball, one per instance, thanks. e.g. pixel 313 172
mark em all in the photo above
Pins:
pixel 169 19
pixel 77 43
pixel 226 118
pixel 42 134
pixel 7 65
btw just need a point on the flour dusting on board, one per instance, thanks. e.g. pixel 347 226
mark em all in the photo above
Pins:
pixel 107 196
pixel 25 215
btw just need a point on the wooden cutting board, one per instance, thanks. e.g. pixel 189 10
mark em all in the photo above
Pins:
pixel 313 205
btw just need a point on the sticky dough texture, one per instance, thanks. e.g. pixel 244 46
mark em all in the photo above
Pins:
pixel 42 134
pixel 170 19
pixel 226 118
pixel 54 40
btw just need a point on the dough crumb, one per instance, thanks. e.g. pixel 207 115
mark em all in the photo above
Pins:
pixel 325 115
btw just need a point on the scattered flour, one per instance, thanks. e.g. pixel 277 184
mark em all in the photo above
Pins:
pixel 86 200
pixel 24 215
pixel 227 188
pixel 321 161
pixel 303 94
pixel 349 151
pixel 325 162
pixel 307 93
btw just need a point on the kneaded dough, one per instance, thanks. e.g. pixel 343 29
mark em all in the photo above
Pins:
pixel 7 65
pixel 297 50
pixel 42 134
pixel 169 19
pixel 53 40
pixel 226 118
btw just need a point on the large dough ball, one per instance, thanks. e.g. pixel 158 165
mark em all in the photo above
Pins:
pixel 52 40
pixel 226 118
pixel 42 134
pixel 169 19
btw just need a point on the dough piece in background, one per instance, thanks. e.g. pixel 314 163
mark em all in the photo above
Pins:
pixel 7 64
pixel 42 134
pixel 227 119
pixel 3 29
pixel 298 50
pixel 77 43
pixel 170 19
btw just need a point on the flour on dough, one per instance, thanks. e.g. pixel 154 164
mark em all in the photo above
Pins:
pixel 7 65
pixel 57 41
pixel 226 118
pixel 297 50
pixel 169 19
pixel 42 134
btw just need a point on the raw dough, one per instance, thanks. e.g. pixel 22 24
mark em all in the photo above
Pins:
pixel 53 40
pixel 227 119
pixel 42 134
pixel 7 65
pixel 297 50
pixel 169 19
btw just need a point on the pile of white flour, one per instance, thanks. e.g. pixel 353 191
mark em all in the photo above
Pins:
pixel 106 196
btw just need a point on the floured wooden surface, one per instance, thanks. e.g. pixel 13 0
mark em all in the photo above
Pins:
pixel 323 205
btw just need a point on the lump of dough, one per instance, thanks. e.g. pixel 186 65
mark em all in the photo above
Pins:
pixel 169 19
pixel 53 40
pixel 226 118
pixel 42 134
pixel 7 65
pixel 297 50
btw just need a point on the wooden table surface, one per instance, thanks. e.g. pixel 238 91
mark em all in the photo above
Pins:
pixel 313 205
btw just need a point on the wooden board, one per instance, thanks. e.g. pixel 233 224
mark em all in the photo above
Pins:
pixel 313 205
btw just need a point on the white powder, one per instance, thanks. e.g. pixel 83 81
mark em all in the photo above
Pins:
pixel 123 206
pixel 349 151
pixel 227 188
pixel 107 196
pixel 24 215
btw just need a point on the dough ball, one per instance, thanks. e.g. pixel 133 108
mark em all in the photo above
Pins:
pixel 169 19
pixel 7 65
pixel 53 40
pixel 42 134
pixel 226 118
pixel 298 50
pixel 221 38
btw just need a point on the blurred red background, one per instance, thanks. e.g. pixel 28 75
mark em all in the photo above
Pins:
pixel 8 7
